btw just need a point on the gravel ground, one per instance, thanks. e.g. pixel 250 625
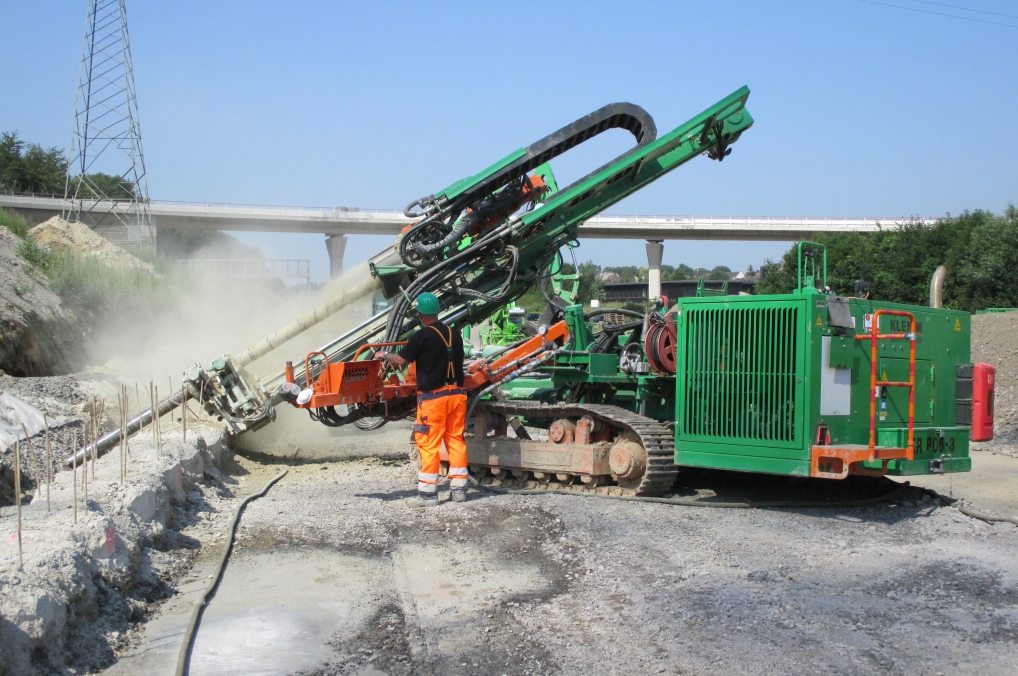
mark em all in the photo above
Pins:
pixel 334 574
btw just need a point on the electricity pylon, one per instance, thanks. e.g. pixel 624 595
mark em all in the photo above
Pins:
pixel 107 187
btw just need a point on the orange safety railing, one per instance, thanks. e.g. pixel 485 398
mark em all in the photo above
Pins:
pixel 307 370
pixel 873 337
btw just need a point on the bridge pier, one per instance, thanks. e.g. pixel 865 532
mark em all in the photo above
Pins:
pixel 336 245
pixel 655 249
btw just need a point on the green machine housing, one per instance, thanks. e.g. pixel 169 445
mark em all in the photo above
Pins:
pixel 765 382
pixel 781 384
pixel 784 384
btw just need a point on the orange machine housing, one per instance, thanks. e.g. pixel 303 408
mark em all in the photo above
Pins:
pixel 364 381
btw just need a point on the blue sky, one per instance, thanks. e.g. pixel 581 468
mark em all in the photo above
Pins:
pixel 860 108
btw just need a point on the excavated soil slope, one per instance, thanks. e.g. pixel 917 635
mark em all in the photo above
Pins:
pixel 38 335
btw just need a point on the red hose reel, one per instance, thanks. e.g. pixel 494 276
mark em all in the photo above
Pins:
pixel 659 343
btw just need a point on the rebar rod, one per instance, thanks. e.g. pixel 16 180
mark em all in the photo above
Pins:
pixel 134 425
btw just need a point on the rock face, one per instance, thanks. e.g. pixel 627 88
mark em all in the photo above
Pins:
pixel 79 239
pixel 38 336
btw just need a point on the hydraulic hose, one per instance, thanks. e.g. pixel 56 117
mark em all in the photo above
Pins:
pixel 184 657
pixel 684 502
pixel 426 250
pixel 428 280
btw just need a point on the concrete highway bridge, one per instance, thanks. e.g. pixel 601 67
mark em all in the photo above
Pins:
pixel 337 223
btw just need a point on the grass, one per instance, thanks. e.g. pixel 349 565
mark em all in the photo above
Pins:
pixel 14 222
pixel 95 287
pixel 89 284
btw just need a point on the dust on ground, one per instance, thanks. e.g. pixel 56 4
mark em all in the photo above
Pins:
pixel 333 574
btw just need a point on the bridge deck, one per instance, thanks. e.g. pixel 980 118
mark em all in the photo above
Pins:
pixel 343 221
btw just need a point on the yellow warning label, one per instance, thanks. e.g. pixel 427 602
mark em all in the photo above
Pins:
pixel 883 376
pixel 819 323
pixel 957 324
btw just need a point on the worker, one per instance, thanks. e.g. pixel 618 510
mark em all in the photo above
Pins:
pixel 437 351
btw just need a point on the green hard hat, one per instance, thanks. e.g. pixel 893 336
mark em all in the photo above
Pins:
pixel 427 304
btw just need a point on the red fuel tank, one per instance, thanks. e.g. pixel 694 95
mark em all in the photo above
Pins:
pixel 982 402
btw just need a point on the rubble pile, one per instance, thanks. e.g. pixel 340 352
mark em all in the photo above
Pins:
pixel 79 239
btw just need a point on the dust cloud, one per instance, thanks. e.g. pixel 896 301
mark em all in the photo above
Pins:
pixel 213 316
pixel 222 315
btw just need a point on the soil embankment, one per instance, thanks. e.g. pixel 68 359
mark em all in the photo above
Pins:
pixel 43 333
pixel 38 335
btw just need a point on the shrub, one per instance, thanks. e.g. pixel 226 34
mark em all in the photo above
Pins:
pixel 34 254
pixel 979 249
pixel 95 287
pixel 14 222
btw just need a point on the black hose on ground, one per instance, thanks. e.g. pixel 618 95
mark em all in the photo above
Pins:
pixel 184 658
pixel 696 503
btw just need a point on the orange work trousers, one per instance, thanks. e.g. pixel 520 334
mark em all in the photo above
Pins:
pixel 441 418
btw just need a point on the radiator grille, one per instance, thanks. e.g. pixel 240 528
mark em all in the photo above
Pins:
pixel 741 368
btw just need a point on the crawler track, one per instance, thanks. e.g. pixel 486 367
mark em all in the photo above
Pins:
pixel 657 440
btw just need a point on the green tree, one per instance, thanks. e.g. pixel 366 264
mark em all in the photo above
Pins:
pixel 102 186
pixel 591 286
pixel 28 167
pixel 674 274
pixel 626 273
pixel 720 273
pixel 988 275
pixel 979 249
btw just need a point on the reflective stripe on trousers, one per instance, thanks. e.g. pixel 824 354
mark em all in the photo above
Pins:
pixel 427 482
pixel 443 413
pixel 458 477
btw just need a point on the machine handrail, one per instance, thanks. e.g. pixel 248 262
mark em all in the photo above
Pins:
pixel 307 370
pixel 873 336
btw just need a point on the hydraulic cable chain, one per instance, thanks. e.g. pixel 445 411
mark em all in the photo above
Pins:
pixel 656 439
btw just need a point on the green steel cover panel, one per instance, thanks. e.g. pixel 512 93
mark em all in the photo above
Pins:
pixel 742 363
pixel 465 183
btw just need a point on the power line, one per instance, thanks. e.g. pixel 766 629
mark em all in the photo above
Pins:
pixel 927 11
pixel 966 9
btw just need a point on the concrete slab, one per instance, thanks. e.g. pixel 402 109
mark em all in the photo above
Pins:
pixel 275 613
pixel 992 484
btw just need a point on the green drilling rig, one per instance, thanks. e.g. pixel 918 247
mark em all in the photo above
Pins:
pixel 808 384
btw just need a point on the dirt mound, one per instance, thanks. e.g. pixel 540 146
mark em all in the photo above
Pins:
pixel 993 342
pixel 80 239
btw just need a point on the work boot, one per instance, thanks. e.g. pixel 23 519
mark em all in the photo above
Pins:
pixel 421 500
pixel 459 495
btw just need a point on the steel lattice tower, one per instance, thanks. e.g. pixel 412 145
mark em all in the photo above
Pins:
pixel 107 187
